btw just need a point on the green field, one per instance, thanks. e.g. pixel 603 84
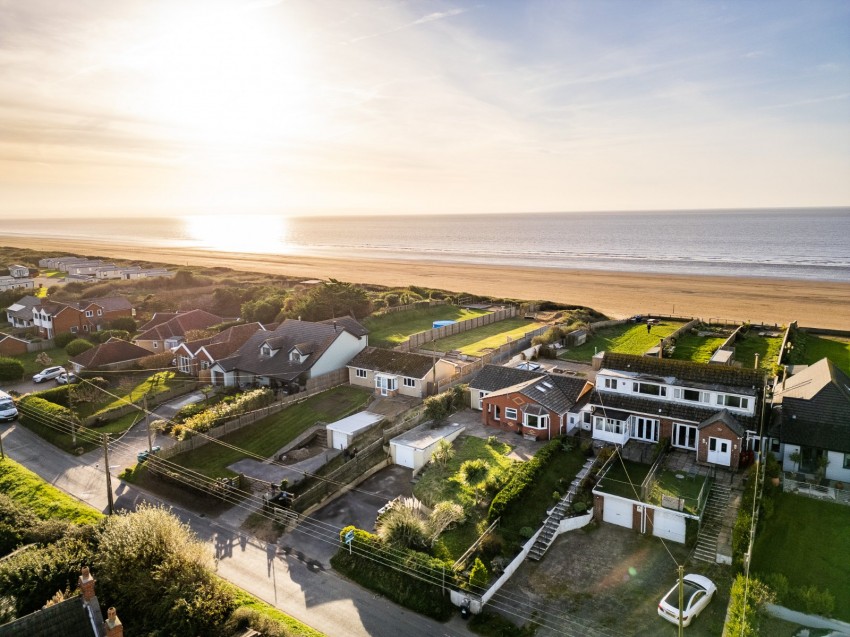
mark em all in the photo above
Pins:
pixel 57 355
pixel 750 344
pixel 807 541
pixel 834 348
pixel 267 436
pixel 690 347
pixel 476 342
pixel 627 338
pixel 392 329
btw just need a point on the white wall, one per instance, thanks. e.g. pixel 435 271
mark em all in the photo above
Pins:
pixel 475 396
pixel 835 469
pixel 343 349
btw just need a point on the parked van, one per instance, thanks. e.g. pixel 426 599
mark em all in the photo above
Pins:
pixel 7 407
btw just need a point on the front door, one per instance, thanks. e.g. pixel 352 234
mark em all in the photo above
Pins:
pixel 719 451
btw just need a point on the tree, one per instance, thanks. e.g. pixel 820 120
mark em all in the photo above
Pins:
pixel 332 299
pixel 89 391
pixel 63 338
pixel 123 323
pixel 443 453
pixel 474 472
pixel 403 526
pixel 78 346
pixel 796 457
pixel 479 577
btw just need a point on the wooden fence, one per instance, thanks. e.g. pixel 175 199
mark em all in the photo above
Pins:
pixel 412 306
pixel 418 340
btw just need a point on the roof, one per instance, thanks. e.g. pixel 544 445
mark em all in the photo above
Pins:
pixel 69 618
pixel 393 362
pixel 661 408
pixel 814 408
pixel 178 325
pixel 284 338
pixel 225 342
pixel 424 436
pixel 554 392
pixel 22 308
pixel 112 351
pixel 356 422
pixel 109 304
pixel 727 419
pixel 687 371
pixel 495 377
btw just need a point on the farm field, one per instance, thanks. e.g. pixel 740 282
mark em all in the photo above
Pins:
pixel 628 338
pixel 478 341
pixel 388 330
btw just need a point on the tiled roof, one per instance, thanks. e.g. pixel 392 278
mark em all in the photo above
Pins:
pixel 661 409
pixel 179 325
pixel 22 308
pixel 109 304
pixel 157 319
pixel 555 393
pixel 727 419
pixel 225 342
pixel 69 618
pixel 350 324
pixel 393 362
pixel 814 408
pixel 495 377
pixel 686 371
pixel 112 351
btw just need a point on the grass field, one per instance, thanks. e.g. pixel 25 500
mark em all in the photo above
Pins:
pixel 627 338
pixel 478 341
pixel 267 436
pixel 834 348
pixel 153 385
pixel 690 347
pixel 807 541
pixel 751 344
pixel 391 329
pixel 58 355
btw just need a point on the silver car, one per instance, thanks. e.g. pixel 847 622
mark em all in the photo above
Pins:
pixel 47 374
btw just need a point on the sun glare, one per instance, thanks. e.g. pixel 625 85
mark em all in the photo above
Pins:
pixel 242 233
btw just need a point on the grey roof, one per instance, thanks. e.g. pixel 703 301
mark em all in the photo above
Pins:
pixel 661 409
pixel 814 408
pixel 393 362
pixel 702 374
pixel 69 618
pixel 495 377
pixel 22 308
pixel 556 393
pixel 727 419
pixel 284 338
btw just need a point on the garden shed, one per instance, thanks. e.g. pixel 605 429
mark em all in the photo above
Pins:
pixel 342 432
pixel 414 448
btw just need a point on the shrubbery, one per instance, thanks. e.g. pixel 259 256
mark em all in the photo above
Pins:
pixel 78 346
pixel 57 395
pixel 523 479
pixel 63 338
pixel 225 410
pixel 35 411
pixel 442 405
pixel 11 369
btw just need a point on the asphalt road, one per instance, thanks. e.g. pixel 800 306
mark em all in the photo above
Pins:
pixel 284 577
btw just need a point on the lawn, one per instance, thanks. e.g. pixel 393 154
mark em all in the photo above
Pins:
pixel 627 338
pixel 807 541
pixel 699 349
pixel 834 348
pixel 668 484
pixel 624 479
pixel 58 355
pixel 437 484
pixel 751 343
pixel 267 436
pixel 389 330
pixel 478 341
pixel 152 385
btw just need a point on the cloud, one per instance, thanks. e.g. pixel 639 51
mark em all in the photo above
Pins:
pixel 431 17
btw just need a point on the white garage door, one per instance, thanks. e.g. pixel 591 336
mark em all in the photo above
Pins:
pixel 617 512
pixel 340 440
pixel 669 526
pixel 404 456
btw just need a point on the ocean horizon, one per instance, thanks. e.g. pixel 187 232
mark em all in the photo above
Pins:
pixel 803 244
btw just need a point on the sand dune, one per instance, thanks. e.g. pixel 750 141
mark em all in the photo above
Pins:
pixel 617 294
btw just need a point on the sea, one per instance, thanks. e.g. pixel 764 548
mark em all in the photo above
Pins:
pixel 802 244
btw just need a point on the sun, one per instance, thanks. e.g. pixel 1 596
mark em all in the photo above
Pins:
pixel 263 234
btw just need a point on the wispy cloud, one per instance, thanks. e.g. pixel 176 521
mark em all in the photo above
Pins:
pixel 431 17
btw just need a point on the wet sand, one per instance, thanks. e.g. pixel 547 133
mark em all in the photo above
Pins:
pixel 616 294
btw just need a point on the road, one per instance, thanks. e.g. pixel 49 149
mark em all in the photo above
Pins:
pixel 304 589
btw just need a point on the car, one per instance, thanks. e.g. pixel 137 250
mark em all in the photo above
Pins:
pixel 8 411
pixel 67 377
pixel 47 374
pixel 698 592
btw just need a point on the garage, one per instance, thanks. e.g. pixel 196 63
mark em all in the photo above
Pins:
pixel 414 448
pixel 342 432
pixel 669 525
pixel 617 511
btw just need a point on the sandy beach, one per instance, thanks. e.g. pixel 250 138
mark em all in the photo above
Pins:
pixel 617 294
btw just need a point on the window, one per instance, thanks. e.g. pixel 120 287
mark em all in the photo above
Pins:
pixel 205 364
pixel 586 417
pixel 608 425
pixel 649 388
pixel 684 436
pixel 85 328
pixel 536 422
pixel 265 350
pixel 691 394
pixel 74 329
pixel 736 402
pixel 100 312
pixel 155 345
pixel 847 460
pixel 409 382
pixel 497 412
pixel 89 313
pixel 510 413
pixel 360 373
pixel 610 383
pixel 184 364
pixel 645 429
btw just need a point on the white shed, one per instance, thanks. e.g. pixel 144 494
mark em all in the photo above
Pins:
pixel 342 432
pixel 414 448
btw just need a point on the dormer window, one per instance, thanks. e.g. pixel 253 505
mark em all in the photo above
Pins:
pixel 265 350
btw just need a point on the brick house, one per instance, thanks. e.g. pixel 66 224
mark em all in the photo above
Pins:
pixel 20 313
pixel 80 317
pixel 198 357
pixel 113 354
pixel 11 346
pixel 166 330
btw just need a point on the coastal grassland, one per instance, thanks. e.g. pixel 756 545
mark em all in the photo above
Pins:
pixel 807 541
pixel 477 341
pixel 627 338
pixel 42 498
pixel 698 349
pixel 750 344
pixel 835 348
pixel 388 330
pixel 265 437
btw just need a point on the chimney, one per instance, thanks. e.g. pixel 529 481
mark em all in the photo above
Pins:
pixel 335 326
pixel 661 348
pixel 113 625
pixel 86 584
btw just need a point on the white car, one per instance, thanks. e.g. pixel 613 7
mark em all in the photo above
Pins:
pixel 64 378
pixel 8 411
pixel 47 374
pixel 698 591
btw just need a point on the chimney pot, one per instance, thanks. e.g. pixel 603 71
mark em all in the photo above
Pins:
pixel 86 584
pixel 113 625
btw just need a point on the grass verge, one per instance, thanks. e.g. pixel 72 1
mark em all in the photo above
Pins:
pixel 268 614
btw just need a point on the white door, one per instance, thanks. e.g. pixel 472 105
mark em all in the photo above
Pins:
pixel 404 456
pixel 669 526
pixel 719 451
pixel 617 512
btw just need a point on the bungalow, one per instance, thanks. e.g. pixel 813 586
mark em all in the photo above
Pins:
pixel 113 354
pixel 20 313
pixel 710 409
pixel 197 357
pixel 811 420
pixel 55 317
pixel 292 353
pixel 390 373
pixel 166 330
pixel 495 377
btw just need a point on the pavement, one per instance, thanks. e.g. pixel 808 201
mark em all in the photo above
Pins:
pixel 295 580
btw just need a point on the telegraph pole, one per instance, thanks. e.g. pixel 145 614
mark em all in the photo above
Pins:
pixel 71 405
pixel 108 477
pixel 681 597
pixel 147 422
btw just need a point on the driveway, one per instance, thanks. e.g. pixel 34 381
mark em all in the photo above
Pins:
pixel 610 579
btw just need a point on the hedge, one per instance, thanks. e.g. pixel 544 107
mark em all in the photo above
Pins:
pixel 56 395
pixel 11 369
pixel 388 572
pixel 225 410
pixel 63 338
pixel 522 479
pixel 78 346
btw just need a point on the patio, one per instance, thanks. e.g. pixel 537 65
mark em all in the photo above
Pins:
pixel 812 486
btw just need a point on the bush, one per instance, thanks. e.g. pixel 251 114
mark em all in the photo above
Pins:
pixel 522 480
pixel 62 339
pixel 78 346
pixel 36 411
pixel 479 577
pixel 526 532
pixel 56 395
pixel 125 323
pixel 11 369
pixel 494 625
pixel 579 507
pixel 742 618
pixel 218 414
pixel 812 600
pixel 778 583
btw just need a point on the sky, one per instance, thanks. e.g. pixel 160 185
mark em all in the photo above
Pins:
pixel 309 107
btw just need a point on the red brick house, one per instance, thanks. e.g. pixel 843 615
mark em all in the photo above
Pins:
pixel 11 346
pixel 80 317
pixel 197 357
pixel 165 331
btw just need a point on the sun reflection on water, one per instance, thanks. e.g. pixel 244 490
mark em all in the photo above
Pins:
pixel 238 233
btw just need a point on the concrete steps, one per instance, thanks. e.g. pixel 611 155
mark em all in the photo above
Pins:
pixel 716 511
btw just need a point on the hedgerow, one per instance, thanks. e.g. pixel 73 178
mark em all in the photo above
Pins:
pixel 218 414
pixel 523 478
